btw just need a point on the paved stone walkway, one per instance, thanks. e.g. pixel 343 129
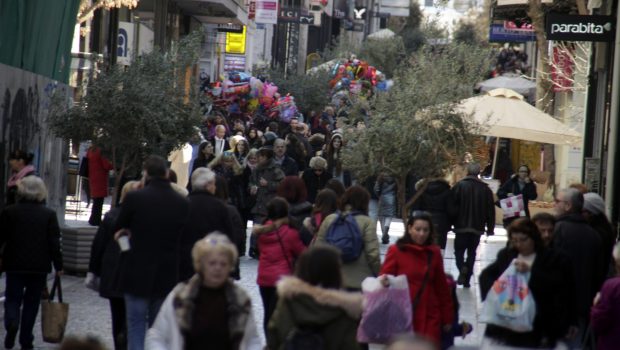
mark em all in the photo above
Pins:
pixel 89 314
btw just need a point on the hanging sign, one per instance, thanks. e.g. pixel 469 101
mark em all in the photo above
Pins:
pixel 580 28
pixel 266 12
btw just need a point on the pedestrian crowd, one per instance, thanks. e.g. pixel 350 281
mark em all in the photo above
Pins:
pixel 167 256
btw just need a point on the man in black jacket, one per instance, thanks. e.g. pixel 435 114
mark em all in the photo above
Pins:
pixel 286 163
pixel 153 218
pixel 582 244
pixel 206 214
pixel 474 210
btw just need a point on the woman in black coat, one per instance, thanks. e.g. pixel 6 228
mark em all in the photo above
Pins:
pixel 437 200
pixel 105 258
pixel 30 245
pixel 519 184
pixel 551 284
pixel 315 177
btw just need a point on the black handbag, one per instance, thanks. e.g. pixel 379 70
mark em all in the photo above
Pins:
pixel 83 171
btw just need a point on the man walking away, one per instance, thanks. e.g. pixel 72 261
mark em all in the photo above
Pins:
pixel 207 214
pixel 582 244
pixel 473 201
pixel 153 218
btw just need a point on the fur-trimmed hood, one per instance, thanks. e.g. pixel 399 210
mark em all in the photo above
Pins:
pixel 349 302
pixel 239 307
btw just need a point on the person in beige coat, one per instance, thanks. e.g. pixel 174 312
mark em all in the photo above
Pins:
pixel 356 199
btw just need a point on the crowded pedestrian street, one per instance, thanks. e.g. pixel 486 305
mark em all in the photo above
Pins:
pixel 310 175
pixel 90 314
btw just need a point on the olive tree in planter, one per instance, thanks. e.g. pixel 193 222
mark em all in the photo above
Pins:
pixel 149 107
pixel 415 126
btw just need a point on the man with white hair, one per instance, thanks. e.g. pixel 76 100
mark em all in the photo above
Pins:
pixel 582 244
pixel 219 142
pixel 206 214
pixel 475 211
pixel 286 163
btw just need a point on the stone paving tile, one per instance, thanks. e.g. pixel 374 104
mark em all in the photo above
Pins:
pixel 89 314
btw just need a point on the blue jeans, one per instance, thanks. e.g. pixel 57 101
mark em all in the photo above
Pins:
pixel 141 314
pixel 23 291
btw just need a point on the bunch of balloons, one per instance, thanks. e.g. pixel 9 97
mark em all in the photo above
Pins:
pixel 357 77
pixel 240 92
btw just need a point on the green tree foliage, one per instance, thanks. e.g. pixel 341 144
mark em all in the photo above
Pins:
pixel 311 91
pixel 466 33
pixel 387 54
pixel 149 107
pixel 415 126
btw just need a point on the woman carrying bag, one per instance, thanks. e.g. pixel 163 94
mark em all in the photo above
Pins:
pixel 29 252
pixel 415 256
pixel 550 284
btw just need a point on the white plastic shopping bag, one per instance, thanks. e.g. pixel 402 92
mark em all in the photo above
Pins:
pixel 513 207
pixel 387 310
pixel 510 303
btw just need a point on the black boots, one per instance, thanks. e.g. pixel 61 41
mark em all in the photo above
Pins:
pixel 464 278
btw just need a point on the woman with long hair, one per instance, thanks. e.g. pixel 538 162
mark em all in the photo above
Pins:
pixel 334 159
pixel 206 154
pixel 241 149
pixel 550 282
pixel 416 256
pixel 326 204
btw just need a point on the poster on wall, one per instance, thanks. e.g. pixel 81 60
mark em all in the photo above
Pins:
pixel 234 63
pixel 124 48
pixel 266 12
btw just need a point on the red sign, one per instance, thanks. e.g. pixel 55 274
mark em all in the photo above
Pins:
pixel 252 10
pixel 562 69
pixel 524 26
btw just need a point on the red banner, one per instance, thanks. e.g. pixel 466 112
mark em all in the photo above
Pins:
pixel 562 69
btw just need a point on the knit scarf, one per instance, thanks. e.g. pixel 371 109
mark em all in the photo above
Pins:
pixel 20 174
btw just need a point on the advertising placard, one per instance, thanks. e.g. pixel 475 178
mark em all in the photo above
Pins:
pixel 266 12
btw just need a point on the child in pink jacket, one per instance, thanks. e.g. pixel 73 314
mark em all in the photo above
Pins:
pixel 278 247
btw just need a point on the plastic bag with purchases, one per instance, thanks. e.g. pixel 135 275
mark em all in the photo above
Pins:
pixel 510 303
pixel 387 310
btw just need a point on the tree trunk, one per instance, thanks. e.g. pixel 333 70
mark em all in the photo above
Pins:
pixel 401 188
pixel 544 88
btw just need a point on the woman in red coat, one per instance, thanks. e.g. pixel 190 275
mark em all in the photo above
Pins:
pixel 410 256
pixel 98 178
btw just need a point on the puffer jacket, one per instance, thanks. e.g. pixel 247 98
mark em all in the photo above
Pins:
pixel 278 251
pixel 369 262
pixel 333 313
pixel 274 175
pixel 386 192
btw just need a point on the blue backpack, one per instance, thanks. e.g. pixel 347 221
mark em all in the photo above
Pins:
pixel 345 234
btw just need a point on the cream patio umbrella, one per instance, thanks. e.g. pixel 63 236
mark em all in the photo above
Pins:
pixel 504 113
